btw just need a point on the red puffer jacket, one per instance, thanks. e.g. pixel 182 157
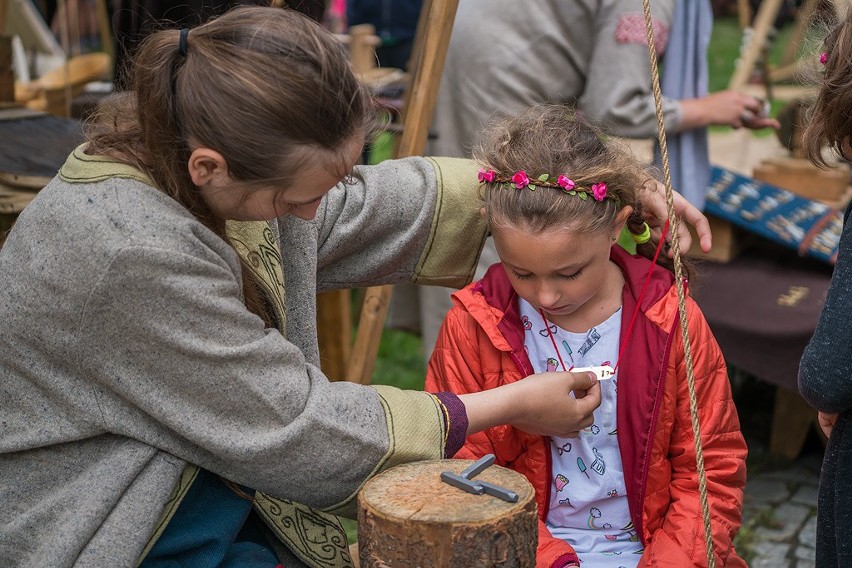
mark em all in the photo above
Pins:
pixel 480 346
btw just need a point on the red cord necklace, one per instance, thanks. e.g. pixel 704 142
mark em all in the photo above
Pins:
pixel 632 318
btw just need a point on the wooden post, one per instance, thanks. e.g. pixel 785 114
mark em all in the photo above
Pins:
pixel 334 330
pixel 4 14
pixel 7 75
pixel 743 13
pixel 416 118
pixel 408 517
pixel 361 52
pixel 792 419
pixel 763 21
pixel 105 25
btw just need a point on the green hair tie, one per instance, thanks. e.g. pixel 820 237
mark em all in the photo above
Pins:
pixel 642 237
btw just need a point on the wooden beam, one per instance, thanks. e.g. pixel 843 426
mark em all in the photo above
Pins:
pixel 334 332
pixel 792 419
pixel 763 22
pixel 4 15
pixel 433 39
pixel 744 13
pixel 105 25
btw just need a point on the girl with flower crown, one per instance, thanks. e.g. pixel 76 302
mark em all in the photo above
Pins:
pixel 624 491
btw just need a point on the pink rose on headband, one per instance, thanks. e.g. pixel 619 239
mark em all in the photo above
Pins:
pixel 486 176
pixel 520 179
pixel 599 191
pixel 823 57
pixel 565 183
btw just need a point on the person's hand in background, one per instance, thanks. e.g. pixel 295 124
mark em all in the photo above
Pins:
pixel 727 108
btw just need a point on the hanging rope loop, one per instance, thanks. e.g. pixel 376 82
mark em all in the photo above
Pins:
pixel 681 291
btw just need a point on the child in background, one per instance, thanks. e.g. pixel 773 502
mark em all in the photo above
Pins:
pixel 624 492
pixel 826 365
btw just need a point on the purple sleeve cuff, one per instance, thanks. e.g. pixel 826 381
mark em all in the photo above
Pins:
pixel 565 561
pixel 455 422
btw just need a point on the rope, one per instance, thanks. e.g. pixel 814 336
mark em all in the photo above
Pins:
pixel 679 282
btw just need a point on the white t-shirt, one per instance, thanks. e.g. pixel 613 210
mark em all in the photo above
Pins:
pixel 588 498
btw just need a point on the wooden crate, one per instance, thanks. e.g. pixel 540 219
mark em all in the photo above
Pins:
pixel 830 186
pixel 726 241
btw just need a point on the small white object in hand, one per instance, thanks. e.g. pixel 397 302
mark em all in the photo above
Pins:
pixel 602 372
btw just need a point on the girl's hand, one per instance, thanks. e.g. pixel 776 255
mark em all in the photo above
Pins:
pixel 538 404
pixel 826 422
pixel 654 200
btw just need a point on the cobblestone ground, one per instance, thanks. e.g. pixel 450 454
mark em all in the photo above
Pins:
pixel 779 512
pixel 780 516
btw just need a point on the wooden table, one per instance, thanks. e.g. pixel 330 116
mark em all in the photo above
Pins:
pixel 763 308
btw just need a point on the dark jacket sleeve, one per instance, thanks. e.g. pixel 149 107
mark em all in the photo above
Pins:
pixel 825 371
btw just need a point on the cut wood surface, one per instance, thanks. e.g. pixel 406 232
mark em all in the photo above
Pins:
pixel 408 517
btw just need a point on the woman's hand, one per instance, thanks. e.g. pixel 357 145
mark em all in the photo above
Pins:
pixel 654 201
pixel 538 404
pixel 826 422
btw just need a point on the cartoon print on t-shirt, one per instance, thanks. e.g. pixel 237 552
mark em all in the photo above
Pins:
pixel 598 466
pixel 581 465
pixel 591 339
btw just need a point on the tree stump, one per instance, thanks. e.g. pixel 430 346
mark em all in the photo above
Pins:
pixel 408 517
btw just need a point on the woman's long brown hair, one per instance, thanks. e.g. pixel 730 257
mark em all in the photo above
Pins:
pixel 257 84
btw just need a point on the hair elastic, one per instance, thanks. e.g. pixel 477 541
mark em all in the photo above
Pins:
pixel 642 237
pixel 182 45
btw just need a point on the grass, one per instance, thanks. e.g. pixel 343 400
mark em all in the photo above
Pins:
pixel 747 539
pixel 400 362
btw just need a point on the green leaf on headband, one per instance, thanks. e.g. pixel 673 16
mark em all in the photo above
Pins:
pixel 542 177
pixel 572 192
pixel 584 195
pixel 531 187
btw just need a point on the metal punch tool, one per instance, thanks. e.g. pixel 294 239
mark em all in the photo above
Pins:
pixel 464 480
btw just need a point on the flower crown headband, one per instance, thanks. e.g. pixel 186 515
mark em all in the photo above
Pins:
pixel 520 179
pixel 598 191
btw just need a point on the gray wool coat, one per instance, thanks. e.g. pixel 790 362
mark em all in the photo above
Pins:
pixel 127 353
